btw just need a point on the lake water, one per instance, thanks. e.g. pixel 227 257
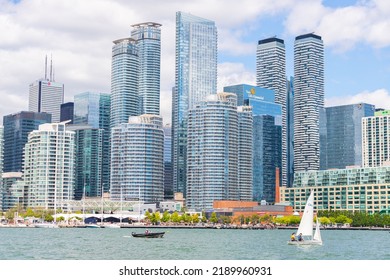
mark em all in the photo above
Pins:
pixel 187 244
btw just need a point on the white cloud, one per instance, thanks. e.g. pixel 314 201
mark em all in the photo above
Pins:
pixel 233 74
pixel 380 98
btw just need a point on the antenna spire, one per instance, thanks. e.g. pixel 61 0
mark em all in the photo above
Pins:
pixel 51 68
pixel 46 67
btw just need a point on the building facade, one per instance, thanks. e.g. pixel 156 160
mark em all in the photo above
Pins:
pixel 67 112
pixel 1 166
pixel 13 191
pixel 351 189
pixel 48 169
pixel 46 96
pixel 290 132
pixel 137 160
pixel 343 141
pixel 213 167
pixel 195 78
pixel 376 140
pixel 308 100
pixel 168 167
pixel 148 41
pixel 271 74
pixel 124 81
pixel 16 129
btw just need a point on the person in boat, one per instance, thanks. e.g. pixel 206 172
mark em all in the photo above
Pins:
pixel 293 237
pixel 146 231
pixel 300 238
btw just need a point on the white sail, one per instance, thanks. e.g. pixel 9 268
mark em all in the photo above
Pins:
pixel 317 233
pixel 306 225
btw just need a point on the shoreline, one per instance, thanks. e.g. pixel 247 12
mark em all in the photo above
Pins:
pixel 129 226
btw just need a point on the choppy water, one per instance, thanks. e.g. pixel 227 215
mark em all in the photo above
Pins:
pixel 187 244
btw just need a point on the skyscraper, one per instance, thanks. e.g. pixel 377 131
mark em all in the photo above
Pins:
pixel 67 112
pixel 92 126
pixel 46 95
pixel 48 168
pixel 168 175
pixel 148 40
pixel 343 142
pixel 1 167
pixel 308 100
pixel 290 132
pixel 271 74
pixel 196 77
pixel 16 129
pixel 376 139
pixel 124 81
pixel 137 159
pixel 217 140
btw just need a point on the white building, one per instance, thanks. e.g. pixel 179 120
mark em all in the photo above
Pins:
pixel 1 166
pixel 48 168
pixel 137 160
pixel 376 140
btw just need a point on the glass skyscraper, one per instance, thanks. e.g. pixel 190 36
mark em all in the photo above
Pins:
pixel 48 169
pixel 46 96
pixel 219 136
pixel 290 132
pixel 137 159
pixel 124 81
pixel 343 142
pixel 196 77
pixel 267 120
pixel 92 126
pixel 148 41
pixel 67 112
pixel 308 100
pixel 271 74
pixel 16 129
pixel 168 168
pixel 1 167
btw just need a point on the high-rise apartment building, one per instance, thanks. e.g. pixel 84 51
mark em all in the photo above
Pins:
pixel 92 126
pixel 13 190
pixel 46 95
pixel 218 137
pixel 124 81
pixel 290 132
pixel 48 169
pixel 343 141
pixel 196 77
pixel 137 159
pixel 308 100
pixel 271 74
pixel 376 140
pixel 148 41
pixel 16 129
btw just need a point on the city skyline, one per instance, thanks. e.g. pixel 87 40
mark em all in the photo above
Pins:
pixel 81 46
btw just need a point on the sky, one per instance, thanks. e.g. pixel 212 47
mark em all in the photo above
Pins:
pixel 79 35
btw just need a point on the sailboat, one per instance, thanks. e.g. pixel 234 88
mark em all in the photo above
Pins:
pixel 306 226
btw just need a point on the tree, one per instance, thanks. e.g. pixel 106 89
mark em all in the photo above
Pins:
pixel 214 218
pixel 175 217
pixel 195 218
pixel 166 217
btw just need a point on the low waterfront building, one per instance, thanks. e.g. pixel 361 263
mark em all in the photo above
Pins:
pixel 352 189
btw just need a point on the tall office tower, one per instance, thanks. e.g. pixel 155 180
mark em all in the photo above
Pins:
pixel 46 95
pixel 48 168
pixel 67 112
pixel 90 161
pixel 266 155
pixel 308 100
pixel 245 153
pixel 1 167
pixel 148 41
pixel 168 168
pixel 266 139
pixel 196 77
pixel 271 74
pixel 376 139
pixel 92 113
pixel 137 159
pixel 16 129
pixel 214 143
pixel 343 142
pixel 124 81
pixel 290 132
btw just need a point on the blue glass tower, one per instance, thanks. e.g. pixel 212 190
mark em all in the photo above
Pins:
pixel 196 77
pixel 343 142
pixel 16 129
pixel 267 121
pixel 67 110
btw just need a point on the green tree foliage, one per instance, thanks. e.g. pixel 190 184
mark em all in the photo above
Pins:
pixel 214 218
pixel 195 218
pixel 175 217
pixel 166 217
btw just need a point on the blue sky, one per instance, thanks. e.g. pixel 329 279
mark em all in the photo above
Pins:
pixel 79 35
